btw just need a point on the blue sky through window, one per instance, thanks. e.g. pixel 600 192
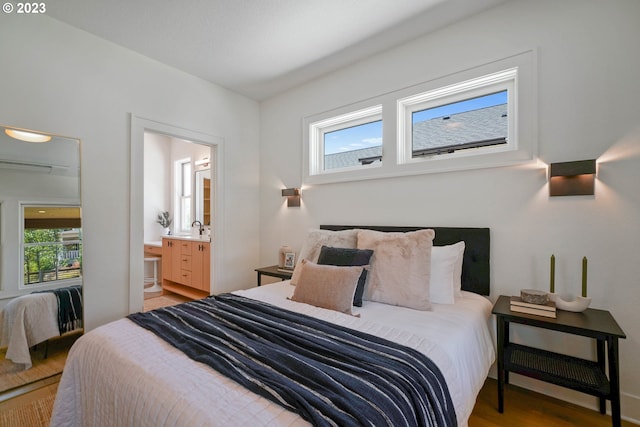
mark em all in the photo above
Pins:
pixel 491 100
pixel 370 134
pixel 353 138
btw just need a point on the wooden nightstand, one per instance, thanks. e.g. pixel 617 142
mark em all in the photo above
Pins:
pixel 273 271
pixel 578 374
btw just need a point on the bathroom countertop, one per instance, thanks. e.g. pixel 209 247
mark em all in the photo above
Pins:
pixel 202 238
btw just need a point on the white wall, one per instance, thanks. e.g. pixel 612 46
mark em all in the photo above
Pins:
pixel 58 79
pixel 588 108
pixel 157 183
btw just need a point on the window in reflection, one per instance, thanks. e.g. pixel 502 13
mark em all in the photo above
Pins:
pixel 52 244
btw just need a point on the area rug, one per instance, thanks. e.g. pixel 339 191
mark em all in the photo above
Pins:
pixel 36 413
pixel 13 376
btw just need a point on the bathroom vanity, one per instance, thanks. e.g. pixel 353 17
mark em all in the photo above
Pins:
pixel 186 264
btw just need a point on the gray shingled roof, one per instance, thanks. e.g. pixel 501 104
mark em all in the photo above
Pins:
pixel 346 159
pixel 477 125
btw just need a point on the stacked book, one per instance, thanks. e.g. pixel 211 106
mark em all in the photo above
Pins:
pixel 547 309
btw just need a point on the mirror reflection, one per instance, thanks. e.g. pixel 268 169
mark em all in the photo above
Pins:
pixel 40 256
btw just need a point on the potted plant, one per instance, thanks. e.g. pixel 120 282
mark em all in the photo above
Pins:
pixel 165 221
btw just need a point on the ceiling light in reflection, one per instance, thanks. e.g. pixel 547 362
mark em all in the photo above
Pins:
pixel 27 136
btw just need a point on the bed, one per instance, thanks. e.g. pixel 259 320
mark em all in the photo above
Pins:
pixel 34 318
pixel 124 374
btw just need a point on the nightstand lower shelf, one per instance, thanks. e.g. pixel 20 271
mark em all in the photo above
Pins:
pixel 578 374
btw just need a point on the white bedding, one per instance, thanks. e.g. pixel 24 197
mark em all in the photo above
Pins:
pixel 26 321
pixel 121 374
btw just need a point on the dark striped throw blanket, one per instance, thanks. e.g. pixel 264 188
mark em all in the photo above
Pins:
pixel 69 307
pixel 328 374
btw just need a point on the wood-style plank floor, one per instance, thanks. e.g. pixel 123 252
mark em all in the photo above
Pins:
pixel 524 408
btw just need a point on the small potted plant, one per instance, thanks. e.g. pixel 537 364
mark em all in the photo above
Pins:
pixel 165 221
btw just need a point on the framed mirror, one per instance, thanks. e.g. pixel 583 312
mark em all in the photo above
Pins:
pixel 203 196
pixel 40 252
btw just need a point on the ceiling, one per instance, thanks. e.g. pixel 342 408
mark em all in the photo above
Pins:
pixel 260 48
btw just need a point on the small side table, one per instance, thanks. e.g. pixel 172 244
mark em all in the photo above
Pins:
pixel 572 372
pixel 273 271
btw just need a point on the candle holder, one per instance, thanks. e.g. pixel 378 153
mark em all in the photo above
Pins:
pixel 577 305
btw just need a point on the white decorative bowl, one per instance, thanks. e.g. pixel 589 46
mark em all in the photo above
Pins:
pixel 577 305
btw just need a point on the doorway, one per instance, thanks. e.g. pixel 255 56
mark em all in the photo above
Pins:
pixel 143 216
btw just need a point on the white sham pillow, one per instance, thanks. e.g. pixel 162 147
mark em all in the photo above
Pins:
pixel 446 269
pixel 400 267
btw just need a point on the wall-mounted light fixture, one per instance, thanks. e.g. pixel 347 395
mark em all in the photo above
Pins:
pixel 202 162
pixel 293 196
pixel 572 178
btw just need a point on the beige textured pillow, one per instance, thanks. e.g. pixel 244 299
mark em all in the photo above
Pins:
pixel 400 267
pixel 327 286
pixel 316 239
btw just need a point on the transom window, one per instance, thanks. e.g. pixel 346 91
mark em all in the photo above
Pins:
pixel 472 123
pixel 478 118
pixel 346 141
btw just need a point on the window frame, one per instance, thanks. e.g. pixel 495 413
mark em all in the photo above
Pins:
pixel 50 283
pixel 319 128
pixel 457 92
pixel 397 158
pixel 180 200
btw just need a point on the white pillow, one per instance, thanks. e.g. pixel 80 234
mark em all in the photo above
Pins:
pixel 457 273
pixel 400 267
pixel 444 271
pixel 318 238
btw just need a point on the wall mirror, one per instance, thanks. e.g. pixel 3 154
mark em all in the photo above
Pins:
pixel 203 196
pixel 40 253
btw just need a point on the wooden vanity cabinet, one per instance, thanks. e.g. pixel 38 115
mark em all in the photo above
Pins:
pixel 187 267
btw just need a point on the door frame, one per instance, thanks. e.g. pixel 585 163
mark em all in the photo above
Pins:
pixel 139 126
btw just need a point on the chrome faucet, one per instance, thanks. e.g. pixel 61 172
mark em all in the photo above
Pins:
pixel 200 226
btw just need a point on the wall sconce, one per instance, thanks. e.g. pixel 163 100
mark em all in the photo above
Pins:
pixel 202 162
pixel 572 178
pixel 293 196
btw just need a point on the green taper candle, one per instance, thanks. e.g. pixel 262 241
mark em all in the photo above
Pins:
pixel 584 276
pixel 552 279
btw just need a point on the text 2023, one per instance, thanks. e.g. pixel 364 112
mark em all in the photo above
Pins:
pixel 31 7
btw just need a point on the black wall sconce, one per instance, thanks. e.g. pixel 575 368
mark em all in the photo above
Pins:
pixel 293 197
pixel 572 178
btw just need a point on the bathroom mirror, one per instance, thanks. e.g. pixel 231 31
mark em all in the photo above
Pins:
pixel 40 228
pixel 203 196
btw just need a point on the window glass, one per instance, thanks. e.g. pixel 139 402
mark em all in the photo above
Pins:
pixel 182 195
pixel 480 117
pixel 52 244
pixel 353 146
pixel 186 178
pixel 471 123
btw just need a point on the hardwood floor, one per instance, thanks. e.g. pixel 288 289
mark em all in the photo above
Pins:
pixel 524 408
